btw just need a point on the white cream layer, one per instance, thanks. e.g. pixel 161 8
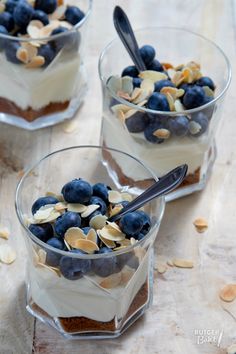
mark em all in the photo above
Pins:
pixel 38 87
pixel 161 158
pixel 60 297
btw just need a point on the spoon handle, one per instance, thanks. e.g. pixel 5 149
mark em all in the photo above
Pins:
pixel 126 34
pixel 167 183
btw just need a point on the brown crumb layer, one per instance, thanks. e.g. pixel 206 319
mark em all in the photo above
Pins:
pixel 30 114
pixel 83 324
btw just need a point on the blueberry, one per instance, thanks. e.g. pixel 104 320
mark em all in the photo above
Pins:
pixel 137 122
pixel 41 16
pixel 185 86
pixel 43 201
pixel 146 221
pixel 131 223
pixel 158 102
pixel 7 21
pixel 10 5
pixel 101 190
pixel 209 110
pixel 151 128
pixel 105 266
pixel 60 42
pixel 102 205
pixel 65 221
pixel 42 231
pixel 147 53
pixel 194 97
pixel 53 258
pixel 47 6
pixel 73 15
pixel 179 125
pixel 155 66
pixel 3 41
pixel 86 230
pixel 74 268
pixel 136 82
pixel 163 83
pixel 22 14
pixel 130 71
pixel 132 261
pixel 206 81
pixel 77 191
pixel 202 123
pixel 48 52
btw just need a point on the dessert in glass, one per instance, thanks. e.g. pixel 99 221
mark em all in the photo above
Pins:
pixel 166 115
pixel 87 277
pixel 42 61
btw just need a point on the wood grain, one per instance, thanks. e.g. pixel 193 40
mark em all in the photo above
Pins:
pixel 184 300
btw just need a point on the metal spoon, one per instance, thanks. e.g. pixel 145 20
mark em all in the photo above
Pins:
pixel 166 184
pixel 126 34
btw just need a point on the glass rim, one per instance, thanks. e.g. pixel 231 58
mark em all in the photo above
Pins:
pixel 49 38
pixel 74 255
pixel 166 113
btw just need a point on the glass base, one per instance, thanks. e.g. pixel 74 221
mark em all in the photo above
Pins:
pixel 46 120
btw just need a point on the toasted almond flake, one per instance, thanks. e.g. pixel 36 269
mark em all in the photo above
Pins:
pixel 173 91
pixel 120 107
pixel 187 74
pixel 60 206
pixel 178 78
pixel 112 234
pixel 98 221
pixel 167 66
pixel 112 281
pixel 7 254
pixel 126 242
pixel 76 207
pixel 228 293
pixel 200 224
pixel 72 235
pixel 43 212
pixel 142 103
pixel 52 217
pixel 121 116
pixel 59 13
pixel 208 91
pixel 161 267
pixel 126 196
pixel 124 95
pixel 171 101
pixel 126 275
pixel 115 84
pixel 147 85
pixel 115 209
pixel 127 84
pixel 4 233
pixel 114 226
pixel 90 209
pixel 114 197
pixel 135 94
pixel 36 62
pixel 182 263
pixel 31 50
pixel 144 94
pixel 108 243
pixel 179 67
pixel 42 254
pixel 231 349
pixel 51 269
pixel 60 2
pixel 22 55
pixel 194 127
pixel 178 106
pixel 153 75
pixel 71 126
pixel 86 245
pixel 35 23
pixel 65 24
pixel 162 133
pixel 92 235
pixel 119 248
pixel 129 114
pixel 33 31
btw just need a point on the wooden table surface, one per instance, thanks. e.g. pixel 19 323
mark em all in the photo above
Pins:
pixel 185 301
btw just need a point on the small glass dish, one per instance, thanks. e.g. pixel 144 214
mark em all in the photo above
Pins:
pixel 174 47
pixel 87 307
pixel 44 77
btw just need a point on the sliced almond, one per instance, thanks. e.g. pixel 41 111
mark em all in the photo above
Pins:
pixel 115 209
pixel 153 75
pixel 114 226
pixel 200 224
pixel 112 281
pixel 92 235
pixel 60 206
pixel 42 254
pixel 124 95
pixel 76 207
pixel 144 94
pixel 182 263
pixel 22 55
pixel 73 234
pixel 111 234
pixel 70 126
pixel 161 267
pixel 36 62
pixel 127 84
pixel 4 233
pixel 89 210
pixel 147 85
pixel 54 270
pixel 7 254
pixel 98 221
pixel 114 197
pixel 114 83
pixel 162 133
pixel 208 91
pixel 228 293
pixel 108 243
pixel 178 106
pixel 35 23
pixel 59 13
pixel 126 242
pixel 31 50
pixel 133 241
pixel 136 93
pixel 43 212
pixel 167 66
pixel 126 197
pixel 86 246
pixel 194 127
pixel 120 107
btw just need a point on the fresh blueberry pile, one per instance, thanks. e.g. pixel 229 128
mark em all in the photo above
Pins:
pixel 172 89
pixel 19 15
pixel 54 229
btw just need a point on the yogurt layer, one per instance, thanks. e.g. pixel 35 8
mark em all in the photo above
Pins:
pixel 161 158
pixel 61 297
pixel 36 88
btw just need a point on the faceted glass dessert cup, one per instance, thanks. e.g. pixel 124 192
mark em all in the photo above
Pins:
pixel 197 149
pixel 92 306
pixel 43 74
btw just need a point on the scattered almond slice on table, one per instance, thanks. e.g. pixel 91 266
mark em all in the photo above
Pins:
pixel 7 254
pixel 228 293
pixel 200 224
pixel 4 233
pixel 182 263
pixel 161 267
pixel 70 127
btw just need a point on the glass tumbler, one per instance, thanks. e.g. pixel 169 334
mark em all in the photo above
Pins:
pixel 43 70
pixel 126 122
pixel 115 288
